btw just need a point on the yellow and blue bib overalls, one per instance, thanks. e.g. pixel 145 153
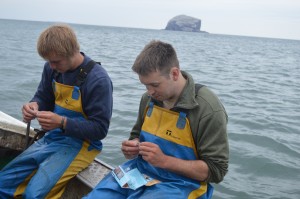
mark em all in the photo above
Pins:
pixel 171 131
pixel 43 170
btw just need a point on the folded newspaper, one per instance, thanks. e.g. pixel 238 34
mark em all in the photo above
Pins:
pixel 132 178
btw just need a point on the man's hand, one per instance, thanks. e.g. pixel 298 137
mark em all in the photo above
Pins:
pixel 130 148
pixel 48 120
pixel 194 169
pixel 152 153
pixel 29 111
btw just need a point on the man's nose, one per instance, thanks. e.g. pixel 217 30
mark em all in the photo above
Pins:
pixel 150 90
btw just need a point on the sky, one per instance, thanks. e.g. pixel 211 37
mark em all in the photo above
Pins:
pixel 258 18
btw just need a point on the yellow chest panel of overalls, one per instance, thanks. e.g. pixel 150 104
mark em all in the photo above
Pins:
pixel 68 97
pixel 169 125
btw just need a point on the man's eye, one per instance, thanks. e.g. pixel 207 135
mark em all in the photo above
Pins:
pixel 54 62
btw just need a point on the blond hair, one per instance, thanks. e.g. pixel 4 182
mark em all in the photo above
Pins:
pixel 59 39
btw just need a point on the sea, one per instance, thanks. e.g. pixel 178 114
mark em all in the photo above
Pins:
pixel 257 79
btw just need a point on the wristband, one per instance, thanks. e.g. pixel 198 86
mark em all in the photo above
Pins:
pixel 62 122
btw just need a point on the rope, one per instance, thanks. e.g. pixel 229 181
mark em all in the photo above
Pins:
pixel 27 134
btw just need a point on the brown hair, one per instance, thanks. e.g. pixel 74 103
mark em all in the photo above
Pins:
pixel 59 40
pixel 156 56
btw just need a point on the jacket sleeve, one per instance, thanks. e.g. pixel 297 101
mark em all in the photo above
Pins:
pixel 214 146
pixel 211 139
pixel 44 94
pixel 135 132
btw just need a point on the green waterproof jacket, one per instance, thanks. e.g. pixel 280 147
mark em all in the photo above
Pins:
pixel 208 120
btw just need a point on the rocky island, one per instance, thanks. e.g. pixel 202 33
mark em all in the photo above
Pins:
pixel 184 23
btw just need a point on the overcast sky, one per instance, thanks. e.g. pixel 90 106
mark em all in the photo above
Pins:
pixel 262 18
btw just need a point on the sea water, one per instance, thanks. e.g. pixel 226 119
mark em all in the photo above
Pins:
pixel 257 79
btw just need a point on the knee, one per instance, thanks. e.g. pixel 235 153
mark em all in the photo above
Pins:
pixel 33 193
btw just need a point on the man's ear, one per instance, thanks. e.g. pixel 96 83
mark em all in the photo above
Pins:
pixel 175 73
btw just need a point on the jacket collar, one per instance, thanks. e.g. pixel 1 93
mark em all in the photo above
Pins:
pixel 187 98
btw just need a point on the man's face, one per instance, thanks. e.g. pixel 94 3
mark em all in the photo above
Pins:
pixel 159 86
pixel 59 63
